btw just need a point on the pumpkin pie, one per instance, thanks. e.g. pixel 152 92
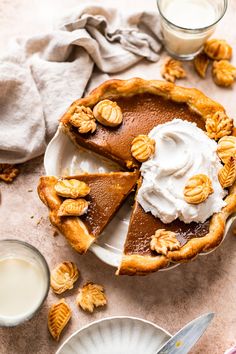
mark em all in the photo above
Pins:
pixel 105 193
pixel 146 104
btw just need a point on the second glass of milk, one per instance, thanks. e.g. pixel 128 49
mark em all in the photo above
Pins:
pixel 186 24
pixel 24 281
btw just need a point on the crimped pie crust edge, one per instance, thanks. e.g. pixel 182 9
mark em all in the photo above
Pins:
pixel 195 99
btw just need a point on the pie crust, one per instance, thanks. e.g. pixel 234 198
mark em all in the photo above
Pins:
pixel 198 103
pixel 79 233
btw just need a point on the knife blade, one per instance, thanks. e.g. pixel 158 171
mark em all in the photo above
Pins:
pixel 184 340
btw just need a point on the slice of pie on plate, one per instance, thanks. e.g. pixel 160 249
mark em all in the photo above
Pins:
pixel 101 196
pixel 181 205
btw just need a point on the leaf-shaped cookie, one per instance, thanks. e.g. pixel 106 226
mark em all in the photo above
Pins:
pixel 201 63
pixel 172 70
pixel 8 172
pixel 218 125
pixel 164 241
pixel 227 174
pixel 83 119
pixel 91 296
pixel 64 276
pixel 58 317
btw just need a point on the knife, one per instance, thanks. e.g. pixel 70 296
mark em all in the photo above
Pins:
pixel 184 340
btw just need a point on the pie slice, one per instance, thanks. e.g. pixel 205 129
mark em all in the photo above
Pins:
pixel 107 193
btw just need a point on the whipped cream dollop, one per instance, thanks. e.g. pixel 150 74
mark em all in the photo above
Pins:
pixel 182 151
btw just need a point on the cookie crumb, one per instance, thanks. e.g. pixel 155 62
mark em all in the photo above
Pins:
pixel 55 233
pixel 39 221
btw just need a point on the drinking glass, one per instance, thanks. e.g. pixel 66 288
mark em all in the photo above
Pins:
pixel 187 24
pixel 19 251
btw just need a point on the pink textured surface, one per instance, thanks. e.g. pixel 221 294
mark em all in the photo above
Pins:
pixel 169 299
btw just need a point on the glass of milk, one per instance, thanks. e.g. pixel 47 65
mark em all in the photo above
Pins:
pixel 24 281
pixel 187 24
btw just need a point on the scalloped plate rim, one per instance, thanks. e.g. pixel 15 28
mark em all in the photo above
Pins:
pixel 107 319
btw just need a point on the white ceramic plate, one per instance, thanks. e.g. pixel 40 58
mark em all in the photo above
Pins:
pixel 63 158
pixel 116 335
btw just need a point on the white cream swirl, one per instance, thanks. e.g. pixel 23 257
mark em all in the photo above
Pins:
pixel 182 151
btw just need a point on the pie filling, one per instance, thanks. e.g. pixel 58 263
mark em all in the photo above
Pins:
pixel 108 191
pixel 143 226
pixel 141 113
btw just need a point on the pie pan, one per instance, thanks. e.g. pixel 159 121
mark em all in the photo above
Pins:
pixel 116 335
pixel 62 158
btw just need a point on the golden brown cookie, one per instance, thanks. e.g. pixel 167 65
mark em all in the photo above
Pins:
pixel 172 70
pixel 164 241
pixel 8 172
pixel 227 174
pixel 58 317
pixel 218 49
pixel 108 113
pixel 73 207
pixel 63 277
pixel 90 296
pixel 142 147
pixel 197 189
pixel 226 147
pixel 201 62
pixel 218 125
pixel 224 73
pixel 71 188
pixel 83 119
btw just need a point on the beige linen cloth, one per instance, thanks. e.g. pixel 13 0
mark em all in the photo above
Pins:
pixel 42 75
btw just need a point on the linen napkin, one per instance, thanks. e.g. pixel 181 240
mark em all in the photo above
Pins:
pixel 42 75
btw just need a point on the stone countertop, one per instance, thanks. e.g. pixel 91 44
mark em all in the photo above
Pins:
pixel 170 299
